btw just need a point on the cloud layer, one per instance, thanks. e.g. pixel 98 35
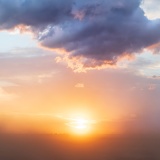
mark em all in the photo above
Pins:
pixel 93 33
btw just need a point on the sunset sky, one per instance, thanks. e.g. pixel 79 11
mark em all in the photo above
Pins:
pixel 79 66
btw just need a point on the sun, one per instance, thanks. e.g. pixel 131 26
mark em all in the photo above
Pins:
pixel 79 125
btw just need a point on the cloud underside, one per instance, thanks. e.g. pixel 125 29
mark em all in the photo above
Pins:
pixel 90 33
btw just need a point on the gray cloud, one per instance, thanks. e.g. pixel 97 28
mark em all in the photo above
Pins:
pixel 33 13
pixel 98 31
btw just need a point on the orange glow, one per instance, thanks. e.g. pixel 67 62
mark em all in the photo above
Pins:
pixel 154 46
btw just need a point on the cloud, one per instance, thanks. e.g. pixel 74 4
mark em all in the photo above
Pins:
pixel 151 8
pixel 79 85
pixel 37 13
pixel 92 33
pixel 7 84
pixel 156 77
pixel 5 96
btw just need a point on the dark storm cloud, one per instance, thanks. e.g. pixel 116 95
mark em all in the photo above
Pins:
pixel 106 30
pixel 33 12
pixel 100 31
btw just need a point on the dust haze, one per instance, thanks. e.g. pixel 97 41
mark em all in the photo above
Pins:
pixel 66 147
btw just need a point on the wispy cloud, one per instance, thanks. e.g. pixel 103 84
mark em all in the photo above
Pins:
pixel 7 84
pixel 5 96
pixel 79 85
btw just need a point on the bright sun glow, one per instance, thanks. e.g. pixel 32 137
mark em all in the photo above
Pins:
pixel 78 122
pixel 79 125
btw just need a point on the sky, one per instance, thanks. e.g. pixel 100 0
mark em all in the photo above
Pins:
pixel 71 64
